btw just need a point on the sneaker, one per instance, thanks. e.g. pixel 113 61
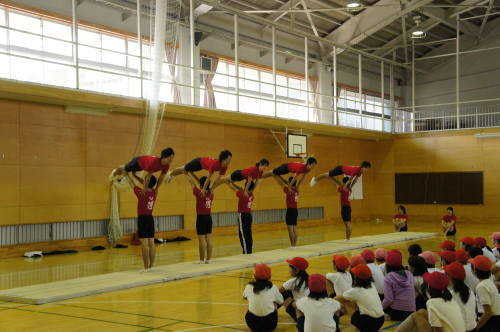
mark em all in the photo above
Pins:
pixel 207 261
pixel 313 181
pixel 200 262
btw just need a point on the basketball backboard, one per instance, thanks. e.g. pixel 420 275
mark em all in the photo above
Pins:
pixel 296 145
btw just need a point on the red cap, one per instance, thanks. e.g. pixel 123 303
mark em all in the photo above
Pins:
pixel 380 253
pixel 447 245
pixel 361 271
pixel 356 260
pixel 436 280
pixel 394 258
pixel 481 263
pixel 298 262
pixel 480 242
pixel 368 255
pixel 448 256
pixel 455 270
pixel 429 257
pixel 341 262
pixel 468 240
pixel 262 272
pixel 495 236
pixel 317 283
pixel 462 256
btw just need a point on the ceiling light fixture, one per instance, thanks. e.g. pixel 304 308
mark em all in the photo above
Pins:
pixel 418 32
pixel 353 5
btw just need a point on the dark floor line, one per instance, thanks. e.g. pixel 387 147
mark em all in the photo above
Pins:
pixel 391 326
pixel 141 315
pixel 79 317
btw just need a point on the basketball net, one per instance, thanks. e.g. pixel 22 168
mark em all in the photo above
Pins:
pixel 166 15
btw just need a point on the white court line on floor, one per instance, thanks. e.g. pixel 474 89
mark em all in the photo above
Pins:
pixel 153 301
pixel 216 326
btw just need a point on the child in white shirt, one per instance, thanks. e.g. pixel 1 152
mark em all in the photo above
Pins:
pixel 340 281
pixel 487 295
pixel 296 287
pixel 316 312
pixel 263 298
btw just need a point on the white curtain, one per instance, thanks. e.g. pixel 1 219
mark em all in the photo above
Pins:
pixel 171 55
pixel 314 100
pixel 209 100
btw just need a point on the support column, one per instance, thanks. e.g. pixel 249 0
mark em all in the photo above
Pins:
pixel 236 62
pixel 360 88
pixel 139 42
pixel 391 93
pixel 382 92
pixel 335 92
pixel 273 34
pixel 74 36
pixel 457 92
pixel 413 83
pixel 306 72
pixel 192 59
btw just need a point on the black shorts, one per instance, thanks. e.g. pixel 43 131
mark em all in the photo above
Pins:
pixel 262 323
pixel 397 315
pixel 133 165
pixel 404 229
pixel 366 323
pixel 291 216
pixel 193 166
pixel 281 170
pixel 345 212
pixel 146 226
pixel 203 224
pixel 450 233
pixel 237 176
pixel 336 171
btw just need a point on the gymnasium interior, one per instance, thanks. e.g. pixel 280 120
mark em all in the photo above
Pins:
pixel 413 86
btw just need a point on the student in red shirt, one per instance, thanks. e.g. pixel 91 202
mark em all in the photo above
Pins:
pixel 204 200
pixel 448 222
pixel 148 164
pixel 352 171
pixel 400 220
pixel 245 201
pixel 345 205
pixel 299 170
pixel 291 190
pixel 146 198
pixel 211 165
pixel 250 174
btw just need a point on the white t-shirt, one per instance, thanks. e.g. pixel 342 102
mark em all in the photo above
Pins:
pixel 318 314
pixel 378 277
pixel 489 254
pixel 417 283
pixel 297 294
pixel 342 281
pixel 445 314
pixel 470 279
pixel 487 293
pixel 383 269
pixel 367 300
pixel 468 309
pixel 496 253
pixel 434 269
pixel 262 304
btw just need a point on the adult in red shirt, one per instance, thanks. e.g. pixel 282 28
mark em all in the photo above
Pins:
pixel 250 175
pixel 351 171
pixel 449 222
pixel 400 220
pixel 148 164
pixel 204 200
pixel 291 190
pixel 212 166
pixel 345 205
pixel 146 198
pixel 299 170
pixel 245 201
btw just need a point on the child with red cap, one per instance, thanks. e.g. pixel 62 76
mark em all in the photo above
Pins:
pixel 378 277
pixel 447 245
pixel 263 298
pixel 369 315
pixel 496 245
pixel 340 281
pixel 399 292
pixel 316 311
pixel 380 255
pixel 296 287
pixel 430 259
pixel 356 260
pixel 462 294
pixel 471 280
pixel 447 257
pixel 467 242
pixel 480 242
pixel 487 295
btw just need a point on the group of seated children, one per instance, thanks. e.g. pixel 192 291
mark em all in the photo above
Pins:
pixel 461 295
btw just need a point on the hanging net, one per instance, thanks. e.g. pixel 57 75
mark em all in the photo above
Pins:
pixel 164 31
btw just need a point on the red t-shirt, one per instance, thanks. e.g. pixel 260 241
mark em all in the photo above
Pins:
pixel 212 165
pixel 252 173
pixel 244 202
pixel 447 218
pixel 344 196
pixel 352 170
pixel 401 216
pixel 152 164
pixel 297 168
pixel 146 202
pixel 292 197
pixel 203 202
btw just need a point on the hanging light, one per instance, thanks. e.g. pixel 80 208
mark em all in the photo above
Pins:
pixel 418 32
pixel 353 5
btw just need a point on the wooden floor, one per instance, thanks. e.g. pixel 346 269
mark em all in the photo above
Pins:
pixel 211 303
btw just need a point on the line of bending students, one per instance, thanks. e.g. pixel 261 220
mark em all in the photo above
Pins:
pixel 461 296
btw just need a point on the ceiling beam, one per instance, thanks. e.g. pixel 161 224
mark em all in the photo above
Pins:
pixel 485 19
pixel 313 26
pixel 201 10
pixel 372 20
pixel 443 16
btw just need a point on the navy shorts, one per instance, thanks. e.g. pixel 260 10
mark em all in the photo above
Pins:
pixel 281 170
pixel 203 224
pixel 336 171
pixel 291 216
pixel 193 166
pixel 237 176
pixel 146 226
pixel 133 165
pixel 346 213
